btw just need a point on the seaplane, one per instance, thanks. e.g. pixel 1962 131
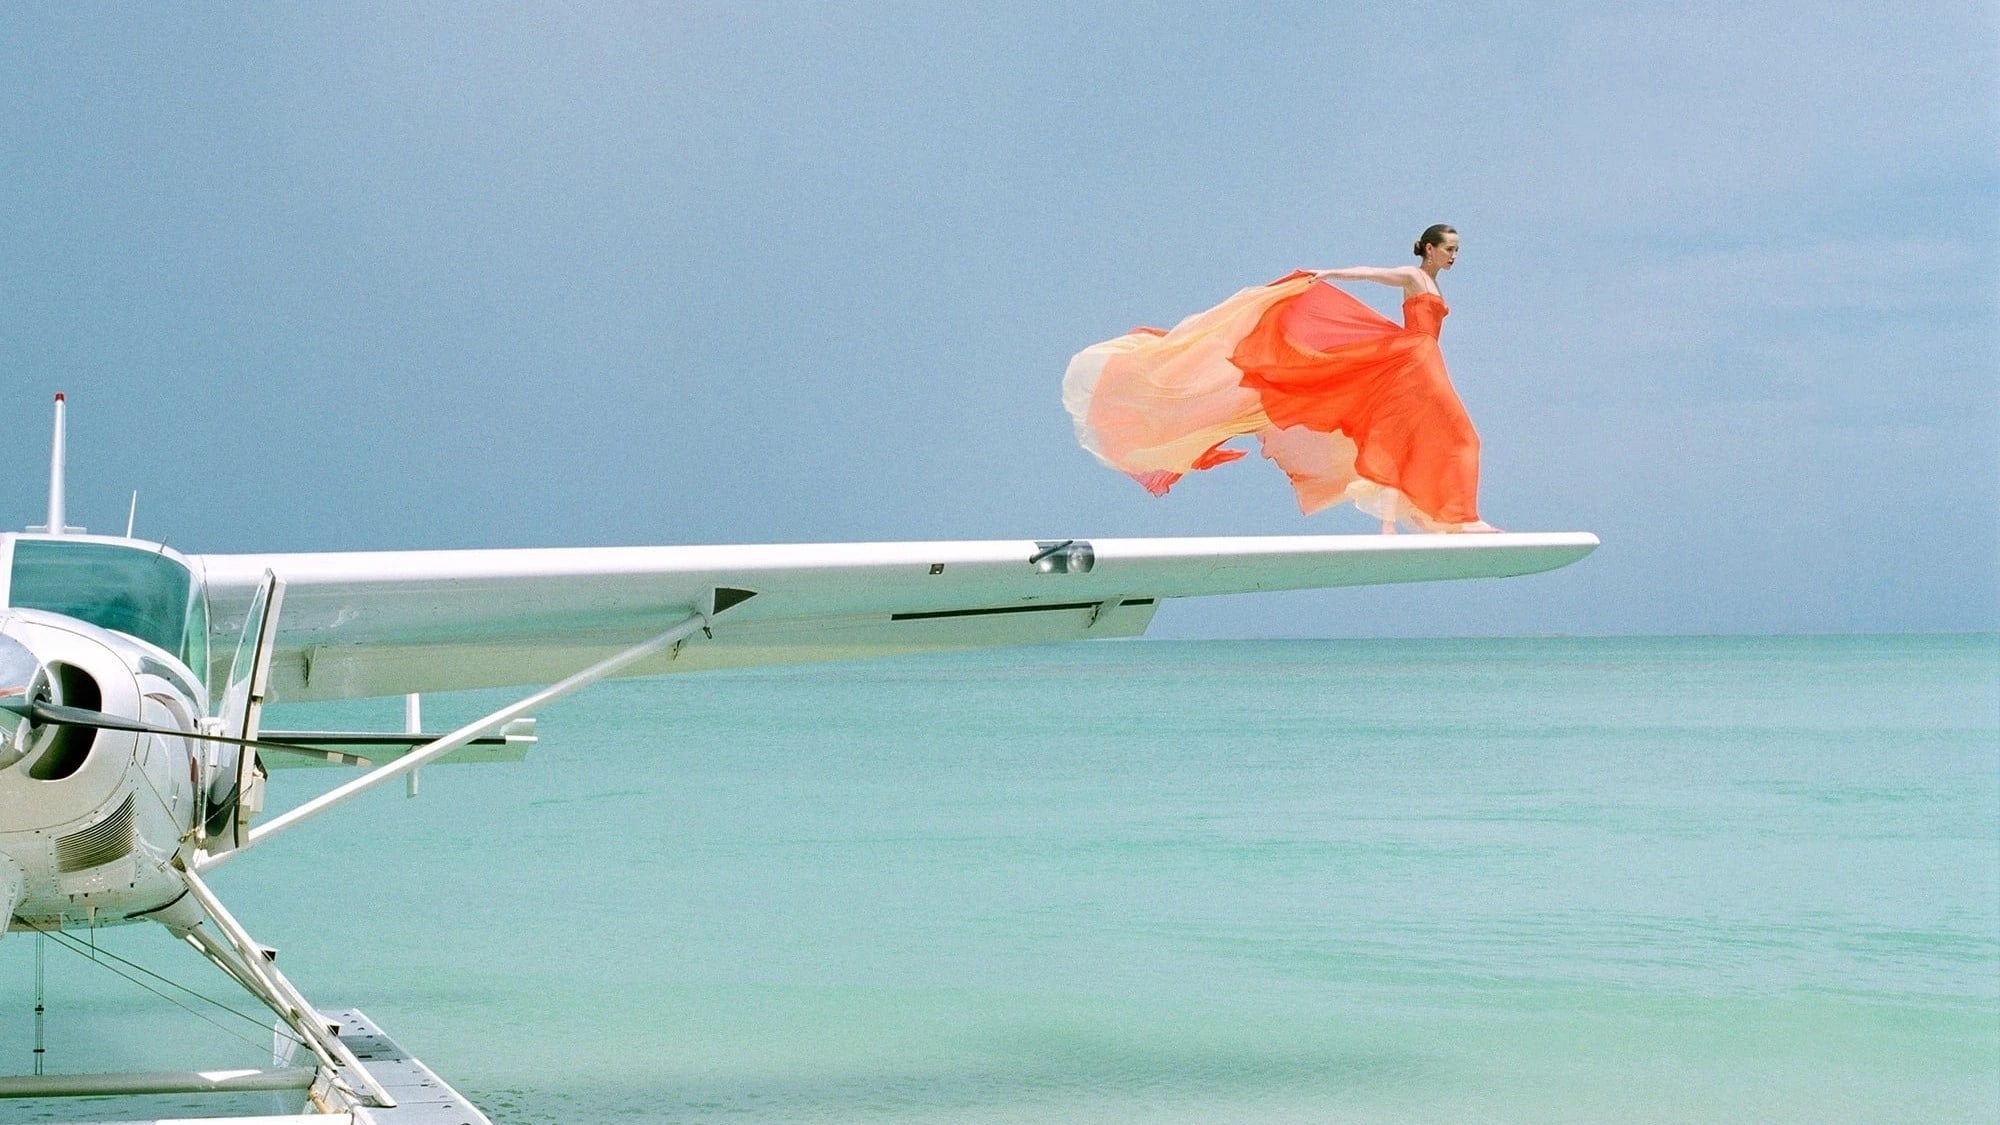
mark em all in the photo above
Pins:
pixel 133 681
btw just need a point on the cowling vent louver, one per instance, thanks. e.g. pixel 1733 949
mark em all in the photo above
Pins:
pixel 107 840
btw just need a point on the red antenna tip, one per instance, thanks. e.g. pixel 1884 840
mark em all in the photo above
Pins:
pixel 59 396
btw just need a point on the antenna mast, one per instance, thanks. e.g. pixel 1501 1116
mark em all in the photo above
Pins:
pixel 58 518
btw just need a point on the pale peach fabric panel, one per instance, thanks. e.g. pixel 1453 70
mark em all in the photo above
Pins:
pixel 1146 403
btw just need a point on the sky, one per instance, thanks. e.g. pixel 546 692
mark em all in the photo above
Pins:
pixel 369 276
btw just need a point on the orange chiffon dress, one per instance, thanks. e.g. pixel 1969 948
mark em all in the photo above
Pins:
pixel 1352 406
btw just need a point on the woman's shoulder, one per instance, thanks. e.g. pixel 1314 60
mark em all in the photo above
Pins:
pixel 1415 281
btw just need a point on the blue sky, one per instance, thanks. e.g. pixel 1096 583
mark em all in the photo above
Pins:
pixel 400 275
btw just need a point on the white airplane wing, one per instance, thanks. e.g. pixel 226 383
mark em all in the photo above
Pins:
pixel 384 623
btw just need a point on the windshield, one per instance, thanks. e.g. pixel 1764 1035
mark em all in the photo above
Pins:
pixel 142 592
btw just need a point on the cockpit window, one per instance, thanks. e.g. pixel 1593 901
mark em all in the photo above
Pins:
pixel 144 593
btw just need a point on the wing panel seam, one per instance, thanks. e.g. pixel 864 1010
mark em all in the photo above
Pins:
pixel 1059 607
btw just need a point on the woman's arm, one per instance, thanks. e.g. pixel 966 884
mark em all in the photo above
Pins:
pixel 1402 277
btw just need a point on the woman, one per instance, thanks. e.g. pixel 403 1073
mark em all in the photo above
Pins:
pixel 1352 406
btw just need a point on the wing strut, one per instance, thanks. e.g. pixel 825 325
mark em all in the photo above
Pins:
pixel 696 622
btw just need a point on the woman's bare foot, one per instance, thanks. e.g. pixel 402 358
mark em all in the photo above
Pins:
pixel 1481 528
pixel 1388 527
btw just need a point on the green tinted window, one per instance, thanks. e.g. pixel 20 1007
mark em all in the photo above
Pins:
pixel 143 593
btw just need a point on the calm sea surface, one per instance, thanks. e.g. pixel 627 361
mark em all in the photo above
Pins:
pixel 1632 880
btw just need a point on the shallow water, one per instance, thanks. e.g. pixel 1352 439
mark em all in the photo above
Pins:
pixel 1663 879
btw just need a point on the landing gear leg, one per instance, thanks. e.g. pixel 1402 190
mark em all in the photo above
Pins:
pixel 235 952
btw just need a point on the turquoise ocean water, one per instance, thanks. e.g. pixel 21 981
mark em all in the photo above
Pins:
pixel 1508 880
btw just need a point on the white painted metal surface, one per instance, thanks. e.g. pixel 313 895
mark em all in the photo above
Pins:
pixel 298 1078
pixel 259 1119
pixel 382 623
pixel 420 1096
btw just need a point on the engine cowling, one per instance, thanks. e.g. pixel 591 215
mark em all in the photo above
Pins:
pixel 92 820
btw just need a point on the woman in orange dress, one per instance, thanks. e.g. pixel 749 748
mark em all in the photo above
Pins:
pixel 1352 406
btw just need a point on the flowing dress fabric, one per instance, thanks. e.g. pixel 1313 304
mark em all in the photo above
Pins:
pixel 1352 406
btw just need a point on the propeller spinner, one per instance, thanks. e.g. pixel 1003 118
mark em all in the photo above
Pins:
pixel 24 683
